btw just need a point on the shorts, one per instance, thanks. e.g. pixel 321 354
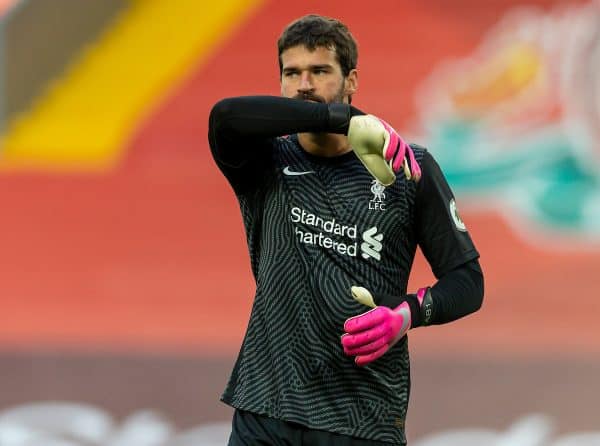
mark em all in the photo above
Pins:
pixel 250 429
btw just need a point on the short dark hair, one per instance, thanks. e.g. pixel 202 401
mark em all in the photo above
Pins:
pixel 314 31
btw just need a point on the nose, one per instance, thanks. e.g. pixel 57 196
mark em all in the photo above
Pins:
pixel 305 83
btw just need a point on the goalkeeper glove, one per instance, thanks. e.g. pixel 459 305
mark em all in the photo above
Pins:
pixel 381 149
pixel 369 335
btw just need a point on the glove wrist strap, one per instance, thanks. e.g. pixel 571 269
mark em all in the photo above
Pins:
pixel 425 305
pixel 421 305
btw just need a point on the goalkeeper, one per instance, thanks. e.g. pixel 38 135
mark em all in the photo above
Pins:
pixel 334 205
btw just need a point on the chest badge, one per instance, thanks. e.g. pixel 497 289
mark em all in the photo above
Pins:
pixel 377 203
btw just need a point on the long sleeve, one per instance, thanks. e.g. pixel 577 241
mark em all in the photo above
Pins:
pixel 457 293
pixel 241 127
pixel 449 249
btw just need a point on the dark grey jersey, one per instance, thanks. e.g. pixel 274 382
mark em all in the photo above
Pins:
pixel 315 227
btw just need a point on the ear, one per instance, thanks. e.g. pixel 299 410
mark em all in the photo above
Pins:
pixel 351 82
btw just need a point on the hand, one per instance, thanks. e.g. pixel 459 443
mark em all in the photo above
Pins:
pixel 369 335
pixel 381 149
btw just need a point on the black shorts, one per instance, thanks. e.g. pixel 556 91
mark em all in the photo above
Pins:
pixel 250 429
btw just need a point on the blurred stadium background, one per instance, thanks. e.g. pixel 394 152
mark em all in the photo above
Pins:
pixel 124 280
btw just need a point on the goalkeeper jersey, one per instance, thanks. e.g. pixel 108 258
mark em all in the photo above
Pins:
pixel 315 227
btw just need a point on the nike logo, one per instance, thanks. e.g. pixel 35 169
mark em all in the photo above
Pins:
pixel 287 171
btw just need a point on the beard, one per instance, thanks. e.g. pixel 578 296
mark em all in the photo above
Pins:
pixel 338 98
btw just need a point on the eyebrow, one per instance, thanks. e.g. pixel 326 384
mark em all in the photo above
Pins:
pixel 310 67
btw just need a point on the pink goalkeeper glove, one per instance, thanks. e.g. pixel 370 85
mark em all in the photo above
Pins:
pixel 369 335
pixel 396 151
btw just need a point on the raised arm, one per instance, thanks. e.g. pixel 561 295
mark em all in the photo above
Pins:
pixel 241 131
pixel 241 125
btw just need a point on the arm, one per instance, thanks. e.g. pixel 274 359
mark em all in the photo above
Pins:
pixel 369 335
pixel 234 122
pixel 456 294
pixel 242 129
pixel 452 256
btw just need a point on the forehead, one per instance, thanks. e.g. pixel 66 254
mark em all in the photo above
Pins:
pixel 300 55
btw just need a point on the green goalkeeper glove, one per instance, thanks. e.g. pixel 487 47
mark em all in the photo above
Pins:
pixel 381 149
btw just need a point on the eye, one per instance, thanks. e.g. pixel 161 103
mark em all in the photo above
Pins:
pixel 290 73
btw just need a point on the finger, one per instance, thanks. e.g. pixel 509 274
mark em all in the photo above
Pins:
pixel 399 156
pixel 365 349
pixel 363 360
pixel 363 296
pixel 388 143
pixel 391 141
pixel 407 173
pixel 364 321
pixel 397 160
pixel 366 337
pixel 414 166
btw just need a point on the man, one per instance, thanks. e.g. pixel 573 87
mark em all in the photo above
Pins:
pixel 317 366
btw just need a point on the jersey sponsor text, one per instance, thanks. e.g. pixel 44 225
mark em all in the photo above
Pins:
pixel 370 247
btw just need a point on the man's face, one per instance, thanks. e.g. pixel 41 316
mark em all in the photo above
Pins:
pixel 315 76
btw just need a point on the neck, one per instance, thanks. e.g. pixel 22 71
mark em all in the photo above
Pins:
pixel 324 144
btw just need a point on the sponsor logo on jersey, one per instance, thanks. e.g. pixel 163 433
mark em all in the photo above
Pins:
pixel 292 173
pixel 378 201
pixel 329 233
pixel 371 245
